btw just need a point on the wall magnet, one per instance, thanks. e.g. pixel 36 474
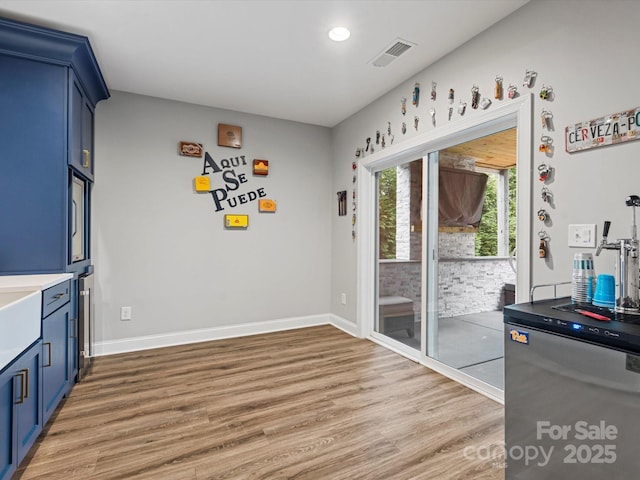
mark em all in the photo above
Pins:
pixel 547 120
pixel 543 249
pixel 497 91
pixel 546 93
pixel 542 215
pixel 529 78
pixel 416 94
pixel 544 171
pixel 546 145
pixel 475 97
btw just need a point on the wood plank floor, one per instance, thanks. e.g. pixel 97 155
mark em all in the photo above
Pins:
pixel 312 403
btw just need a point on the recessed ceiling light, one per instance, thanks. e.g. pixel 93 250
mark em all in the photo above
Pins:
pixel 339 34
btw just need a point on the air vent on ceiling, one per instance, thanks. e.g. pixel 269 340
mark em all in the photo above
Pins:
pixel 391 52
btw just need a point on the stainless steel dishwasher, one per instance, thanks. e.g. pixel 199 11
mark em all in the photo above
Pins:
pixel 572 393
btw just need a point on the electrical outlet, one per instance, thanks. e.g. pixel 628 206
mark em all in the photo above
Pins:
pixel 343 299
pixel 583 235
pixel 125 313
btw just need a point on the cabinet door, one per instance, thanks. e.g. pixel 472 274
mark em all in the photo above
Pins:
pixel 8 457
pixel 33 175
pixel 55 358
pixel 28 399
pixel 80 129
pixel 87 133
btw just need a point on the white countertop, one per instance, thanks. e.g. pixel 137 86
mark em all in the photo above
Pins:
pixel 19 323
pixel 23 283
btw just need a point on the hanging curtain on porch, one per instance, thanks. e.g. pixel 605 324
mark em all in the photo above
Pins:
pixel 461 199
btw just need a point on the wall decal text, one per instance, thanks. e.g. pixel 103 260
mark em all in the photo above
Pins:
pixel 228 192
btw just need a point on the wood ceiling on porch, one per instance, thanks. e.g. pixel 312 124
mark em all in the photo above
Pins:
pixel 497 151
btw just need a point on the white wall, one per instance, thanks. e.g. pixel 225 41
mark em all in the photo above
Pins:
pixel 160 248
pixel 585 50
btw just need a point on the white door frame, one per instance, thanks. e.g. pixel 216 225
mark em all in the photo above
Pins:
pixel 518 113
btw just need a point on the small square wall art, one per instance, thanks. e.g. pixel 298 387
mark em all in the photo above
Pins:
pixel 260 167
pixel 202 183
pixel 266 205
pixel 236 222
pixel 190 149
pixel 229 136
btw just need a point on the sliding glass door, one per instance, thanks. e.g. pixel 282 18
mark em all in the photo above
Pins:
pixel 456 257
pixel 414 270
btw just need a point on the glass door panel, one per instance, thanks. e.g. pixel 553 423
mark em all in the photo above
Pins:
pixel 399 249
pixel 470 226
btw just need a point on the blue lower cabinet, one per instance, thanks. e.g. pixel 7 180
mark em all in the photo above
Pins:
pixel 8 457
pixel 55 357
pixel 20 408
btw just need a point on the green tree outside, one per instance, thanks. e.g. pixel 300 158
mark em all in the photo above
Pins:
pixel 387 213
pixel 486 240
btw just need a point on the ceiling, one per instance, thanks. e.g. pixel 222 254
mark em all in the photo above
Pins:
pixel 497 151
pixel 267 57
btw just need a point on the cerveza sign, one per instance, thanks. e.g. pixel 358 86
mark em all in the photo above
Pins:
pixel 608 130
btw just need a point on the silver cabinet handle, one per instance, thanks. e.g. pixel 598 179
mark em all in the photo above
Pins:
pixel 74 333
pixel 49 363
pixel 86 158
pixel 22 374
pixel 74 214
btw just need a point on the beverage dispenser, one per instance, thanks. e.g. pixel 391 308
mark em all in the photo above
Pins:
pixel 627 270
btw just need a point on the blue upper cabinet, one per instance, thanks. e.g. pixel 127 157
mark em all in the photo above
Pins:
pixel 50 83
pixel 81 129
pixel 55 47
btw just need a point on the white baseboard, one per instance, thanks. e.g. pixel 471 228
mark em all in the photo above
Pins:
pixel 343 324
pixel 111 347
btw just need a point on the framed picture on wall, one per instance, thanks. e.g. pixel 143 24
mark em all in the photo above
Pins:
pixel 229 136
pixel 190 149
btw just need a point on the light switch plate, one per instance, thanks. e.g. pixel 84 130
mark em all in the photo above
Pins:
pixel 125 313
pixel 582 235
